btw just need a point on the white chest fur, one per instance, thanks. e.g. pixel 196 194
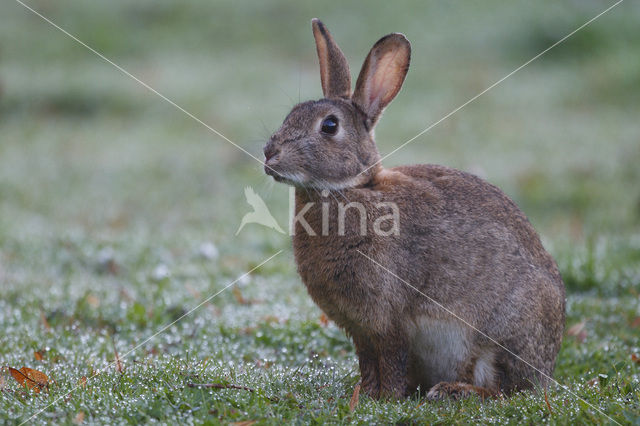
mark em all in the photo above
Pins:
pixel 441 352
pixel 439 348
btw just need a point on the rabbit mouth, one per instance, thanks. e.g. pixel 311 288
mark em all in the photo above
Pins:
pixel 295 179
pixel 301 179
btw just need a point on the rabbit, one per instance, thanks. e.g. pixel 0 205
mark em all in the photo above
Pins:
pixel 451 293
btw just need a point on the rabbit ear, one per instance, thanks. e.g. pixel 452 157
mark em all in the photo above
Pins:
pixel 382 74
pixel 334 70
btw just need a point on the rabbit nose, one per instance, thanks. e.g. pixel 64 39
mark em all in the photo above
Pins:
pixel 269 152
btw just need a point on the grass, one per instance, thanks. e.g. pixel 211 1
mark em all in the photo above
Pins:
pixel 111 200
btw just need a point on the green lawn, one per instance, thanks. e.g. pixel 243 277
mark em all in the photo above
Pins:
pixel 112 201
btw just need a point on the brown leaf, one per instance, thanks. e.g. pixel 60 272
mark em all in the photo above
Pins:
pixel 38 355
pixel 239 297
pixel 79 418
pixel 593 382
pixel 117 361
pixel 83 382
pixel 37 377
pixel 635 358
pixel 546 399
pixel 33 379
pixel 355 398
pixel 248 330
pixel 324 320
pixel 575 329
pixel 124 294
pixel 45 323
pixel 271 319
pixel 18 376
pixel 93 301
pixel 578 331
pixel 264 364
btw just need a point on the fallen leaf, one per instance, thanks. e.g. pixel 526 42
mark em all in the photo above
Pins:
pixel 635 358
pixel 355 398
pixel 83 382
pixel 248 330
pixel 239 297
pixel 263 364
pixel 33 379
pixel 324 320
pixel 38 355
pixel 117 361
pixel 37 377
pixel 575 329
pixel 271 319
pixel 593 382
pixel 45 323
pixel 546 399
pixel 578 331
pixel 124 294
pixel 93 301
pixel 79 418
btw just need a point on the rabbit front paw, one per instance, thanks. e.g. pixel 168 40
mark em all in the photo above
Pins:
pixel 457 390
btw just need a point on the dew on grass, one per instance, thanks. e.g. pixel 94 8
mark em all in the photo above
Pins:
pixel 208 250
pixel 160 272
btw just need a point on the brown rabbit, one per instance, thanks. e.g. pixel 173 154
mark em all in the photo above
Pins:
pixel 438 277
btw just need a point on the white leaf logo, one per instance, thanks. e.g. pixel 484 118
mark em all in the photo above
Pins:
pixel 260 214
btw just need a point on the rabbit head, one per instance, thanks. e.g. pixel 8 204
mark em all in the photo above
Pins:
pixel 329 143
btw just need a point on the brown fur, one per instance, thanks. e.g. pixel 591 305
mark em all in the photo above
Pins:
pixel 461 242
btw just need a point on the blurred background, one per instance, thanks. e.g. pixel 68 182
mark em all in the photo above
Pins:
pixel 88 153
pixel 84 147
pixel 103 184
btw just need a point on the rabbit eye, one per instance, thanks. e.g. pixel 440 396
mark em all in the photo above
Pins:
pixel 330 125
